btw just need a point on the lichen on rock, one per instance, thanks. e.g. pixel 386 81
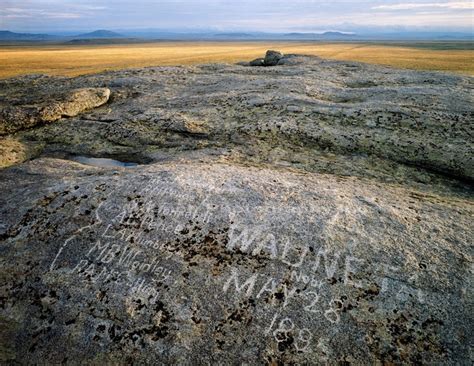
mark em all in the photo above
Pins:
pixel 17 118
pixel 75 103
pixel 299 214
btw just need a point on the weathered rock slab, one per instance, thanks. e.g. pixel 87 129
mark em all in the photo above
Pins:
pixel 309 107
pixel 318 212
pixel 197 264
pixel 16 118
pixel 75 103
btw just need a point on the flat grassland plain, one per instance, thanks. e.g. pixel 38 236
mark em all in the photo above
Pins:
pixel 74 60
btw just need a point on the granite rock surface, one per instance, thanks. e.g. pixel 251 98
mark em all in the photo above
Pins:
pixel 14 118
pixel 316 212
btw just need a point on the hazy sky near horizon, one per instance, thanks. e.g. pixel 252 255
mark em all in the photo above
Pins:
pixel 235 15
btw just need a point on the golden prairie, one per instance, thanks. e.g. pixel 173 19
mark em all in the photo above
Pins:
pixel 73 60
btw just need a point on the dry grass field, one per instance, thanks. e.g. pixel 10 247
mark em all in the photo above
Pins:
pixel 73 60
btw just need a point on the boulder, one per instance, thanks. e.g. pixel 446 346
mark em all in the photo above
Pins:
pixel 272 58
pixel 18 117
pixel 75 103
pixel 15 118
pixel 257 62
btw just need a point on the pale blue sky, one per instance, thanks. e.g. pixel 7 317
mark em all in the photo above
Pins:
pixel 235 15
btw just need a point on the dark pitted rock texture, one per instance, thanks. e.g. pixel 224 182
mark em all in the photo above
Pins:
pixel 311 113
pixel 315 213
pixel 14 118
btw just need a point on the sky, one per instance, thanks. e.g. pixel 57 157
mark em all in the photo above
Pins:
pixel 236 15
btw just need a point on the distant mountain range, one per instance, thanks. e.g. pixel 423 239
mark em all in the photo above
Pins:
pixel 103 36
pixel 321 35
pixel 101 33
pixel 11 36
pixel 98 34
pixel 260 35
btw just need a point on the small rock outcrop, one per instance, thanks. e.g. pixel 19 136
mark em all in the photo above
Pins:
pixel 257 62
pixel 272 58
pixel 75 103
pixel 15 118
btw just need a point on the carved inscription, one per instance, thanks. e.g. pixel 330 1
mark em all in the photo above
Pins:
pixel 129 250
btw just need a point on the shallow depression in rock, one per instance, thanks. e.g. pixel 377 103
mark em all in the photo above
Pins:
pixel 103 162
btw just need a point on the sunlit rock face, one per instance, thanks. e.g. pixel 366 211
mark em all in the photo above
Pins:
pixel 17 118
pixel 315 212
pixel 289 113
